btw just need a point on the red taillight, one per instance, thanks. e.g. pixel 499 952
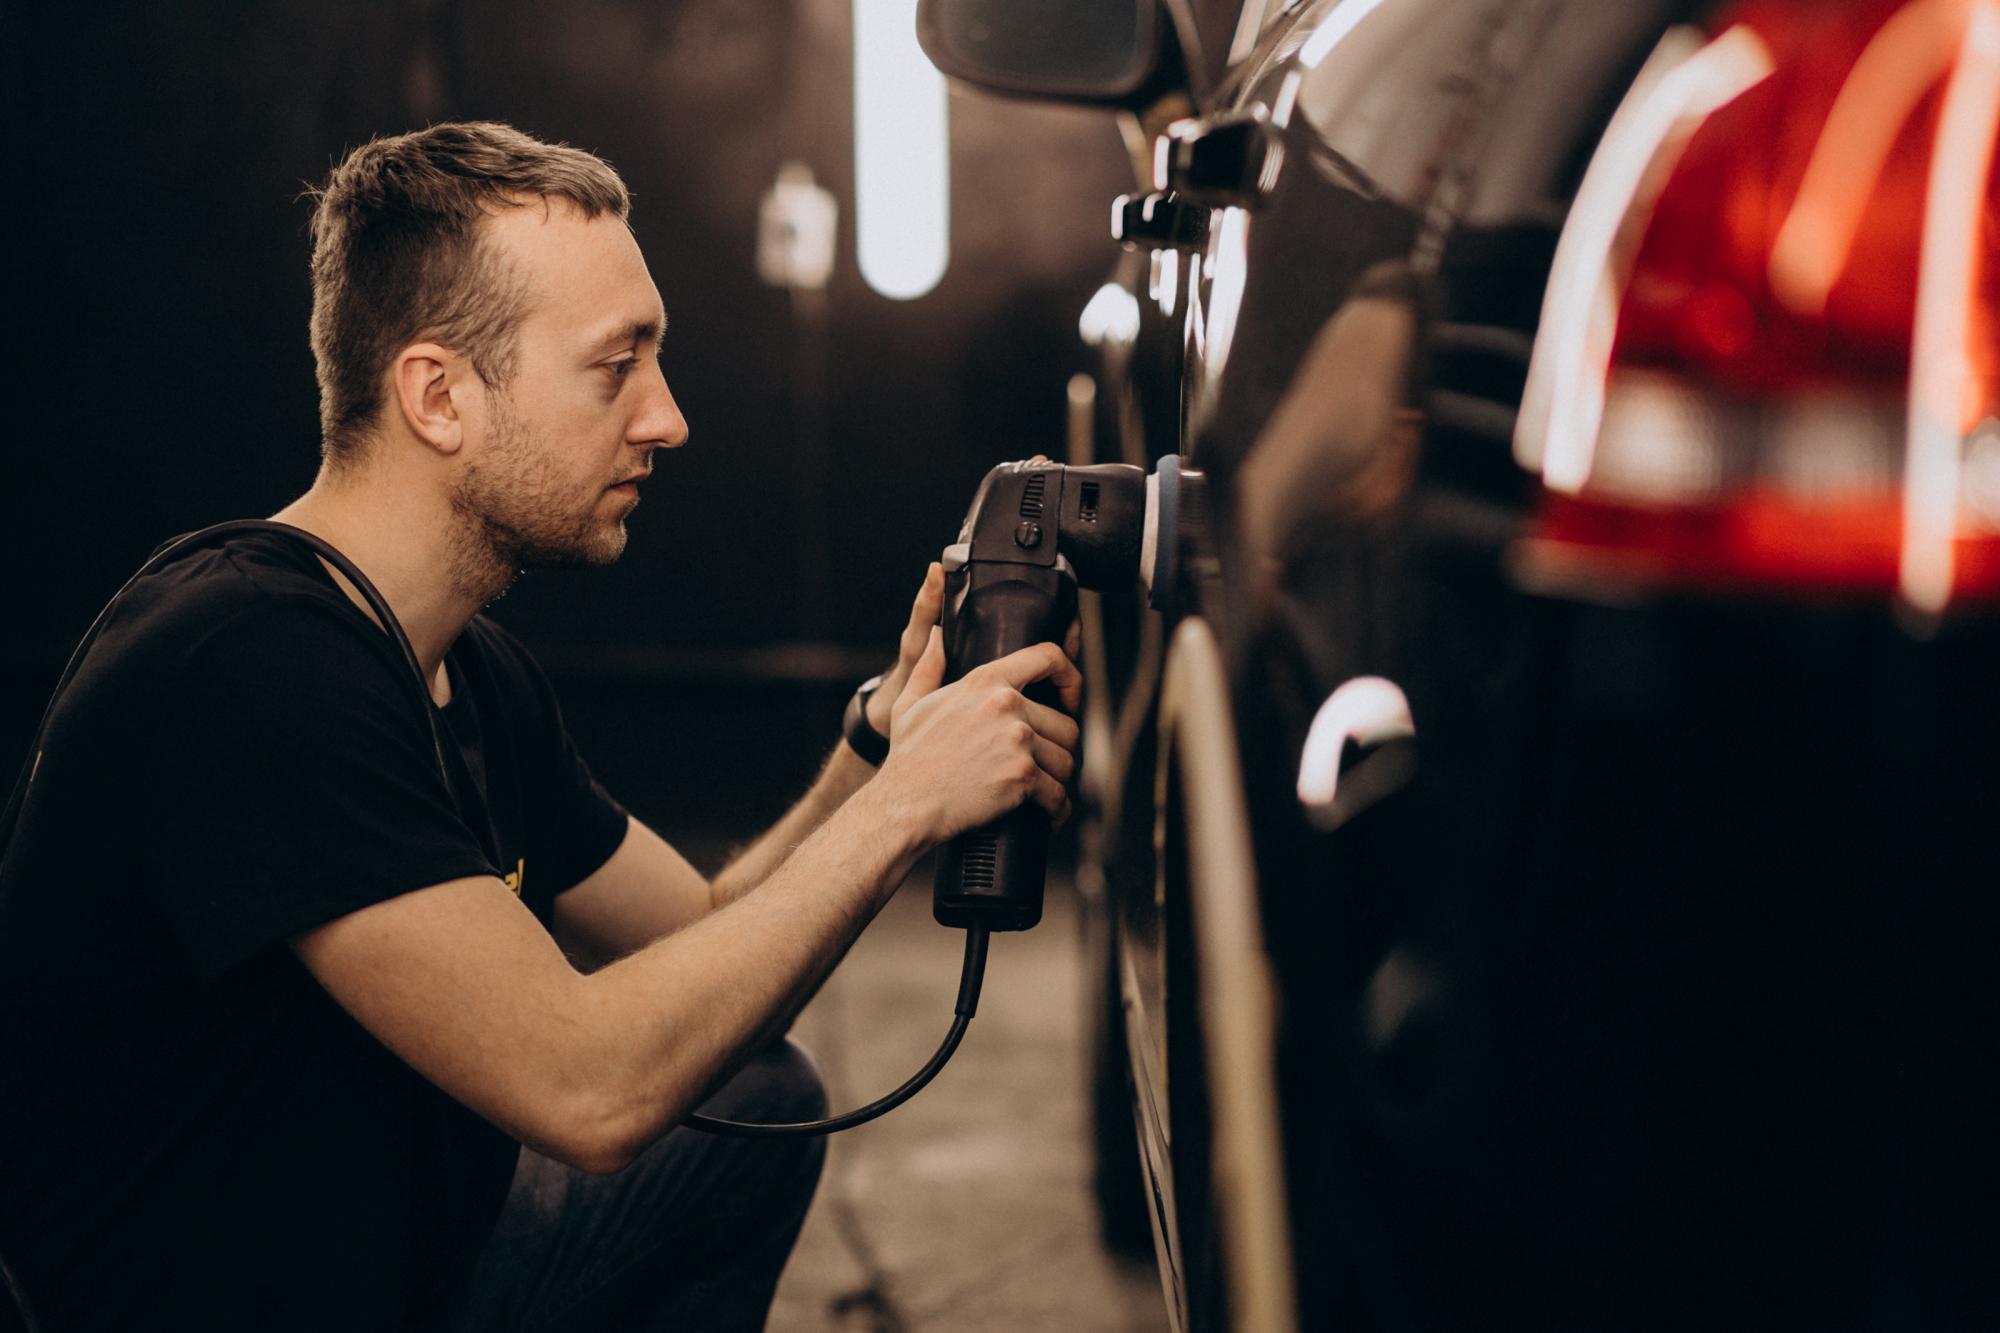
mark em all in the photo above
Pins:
pixel 1773 299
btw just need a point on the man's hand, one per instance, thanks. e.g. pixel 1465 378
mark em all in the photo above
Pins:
pixel 924 613
pixel 966 753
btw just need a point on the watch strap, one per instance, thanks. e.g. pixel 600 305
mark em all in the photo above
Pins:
pixel 859 732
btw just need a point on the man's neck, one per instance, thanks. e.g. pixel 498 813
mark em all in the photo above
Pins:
pixel 408 546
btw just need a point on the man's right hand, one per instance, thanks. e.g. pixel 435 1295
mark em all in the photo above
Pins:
pixel 964 754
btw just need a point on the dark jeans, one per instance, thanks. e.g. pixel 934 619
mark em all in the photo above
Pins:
pixel 689 1238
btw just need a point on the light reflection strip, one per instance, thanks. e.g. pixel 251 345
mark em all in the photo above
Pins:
pixel 1563 405
pixel 1901 62
pixel 1341 22
pixel 1940 372
pixel 1229 253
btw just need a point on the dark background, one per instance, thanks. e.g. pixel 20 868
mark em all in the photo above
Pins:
pixel 159 376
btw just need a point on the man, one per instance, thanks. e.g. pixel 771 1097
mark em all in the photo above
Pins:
pixel 278 998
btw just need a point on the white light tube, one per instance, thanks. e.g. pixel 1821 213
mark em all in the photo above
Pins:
pixel 902 165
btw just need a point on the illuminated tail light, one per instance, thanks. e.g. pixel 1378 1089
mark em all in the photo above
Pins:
pixel 1767 355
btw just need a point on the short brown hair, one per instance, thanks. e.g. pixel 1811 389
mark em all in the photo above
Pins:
pixel 397 256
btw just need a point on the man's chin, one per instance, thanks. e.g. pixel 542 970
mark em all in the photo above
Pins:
pixel 593 552
pixel 608 552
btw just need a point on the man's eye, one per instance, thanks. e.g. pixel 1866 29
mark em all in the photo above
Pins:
pixel 620 369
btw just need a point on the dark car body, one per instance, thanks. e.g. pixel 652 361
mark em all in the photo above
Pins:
pixel 1630 981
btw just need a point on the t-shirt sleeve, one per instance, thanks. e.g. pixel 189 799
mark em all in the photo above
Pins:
pixel 589 822
pixel 592 823
pixel 296 782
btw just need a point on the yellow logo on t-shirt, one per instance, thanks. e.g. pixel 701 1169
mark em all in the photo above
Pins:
pixel 517 875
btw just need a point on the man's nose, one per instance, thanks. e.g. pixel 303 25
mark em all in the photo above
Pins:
pixel 660 422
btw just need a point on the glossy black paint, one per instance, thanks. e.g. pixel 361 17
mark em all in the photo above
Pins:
pixel 1642 1001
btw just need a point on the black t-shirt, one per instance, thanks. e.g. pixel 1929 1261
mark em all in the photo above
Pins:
pixel 192 1133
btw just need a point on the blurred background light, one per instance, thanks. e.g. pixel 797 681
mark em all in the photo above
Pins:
pixel 902 174
pixel 1111 317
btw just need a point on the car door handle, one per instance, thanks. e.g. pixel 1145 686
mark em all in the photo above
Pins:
pixel 1368 713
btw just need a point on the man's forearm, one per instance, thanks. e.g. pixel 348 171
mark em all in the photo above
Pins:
pixel 844 773
pixel 736 977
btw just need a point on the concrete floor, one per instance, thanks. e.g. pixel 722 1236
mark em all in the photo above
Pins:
pixel 969 1208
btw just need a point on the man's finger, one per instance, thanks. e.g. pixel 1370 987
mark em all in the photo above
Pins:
pixel 1053 759
pixel 1054 725
pixel 1071 692
pixel 1050 795
pixel 1041 661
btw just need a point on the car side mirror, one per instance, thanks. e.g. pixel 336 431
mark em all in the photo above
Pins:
pixel 1103 51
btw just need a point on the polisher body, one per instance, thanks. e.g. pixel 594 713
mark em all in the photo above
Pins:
pixel 1036 531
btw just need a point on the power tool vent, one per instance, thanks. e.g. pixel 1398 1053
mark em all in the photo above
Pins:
pixel 976 861
pixel 1031 495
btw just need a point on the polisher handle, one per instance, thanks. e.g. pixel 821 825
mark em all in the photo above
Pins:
pixel 993 875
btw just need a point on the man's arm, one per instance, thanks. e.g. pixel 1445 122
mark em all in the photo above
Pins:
pixel 462 983
pixel 844 774
pixel 647 889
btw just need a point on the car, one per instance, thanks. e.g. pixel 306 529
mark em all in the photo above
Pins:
pixel 1540 839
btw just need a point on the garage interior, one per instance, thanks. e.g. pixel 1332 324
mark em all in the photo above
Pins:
pixel 837 435
pixel 1544 818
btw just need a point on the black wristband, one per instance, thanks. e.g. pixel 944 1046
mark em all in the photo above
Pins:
pixel 862 738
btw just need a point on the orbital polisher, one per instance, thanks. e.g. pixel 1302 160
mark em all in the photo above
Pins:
pixel 1035 534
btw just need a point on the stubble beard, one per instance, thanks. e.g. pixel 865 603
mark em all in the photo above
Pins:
pixel 516 511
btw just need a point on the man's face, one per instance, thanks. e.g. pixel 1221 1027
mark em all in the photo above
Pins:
pixel 548 474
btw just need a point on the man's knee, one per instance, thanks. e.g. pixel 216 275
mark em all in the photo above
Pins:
pixel 693 1234
pixel 779 1085
pixel 776 1178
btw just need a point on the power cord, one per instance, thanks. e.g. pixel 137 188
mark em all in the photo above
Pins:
pixel 970 976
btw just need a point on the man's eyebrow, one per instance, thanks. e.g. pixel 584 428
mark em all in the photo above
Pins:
pixel 640 331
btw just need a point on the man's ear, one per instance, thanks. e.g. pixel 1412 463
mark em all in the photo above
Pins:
pixel 423 377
